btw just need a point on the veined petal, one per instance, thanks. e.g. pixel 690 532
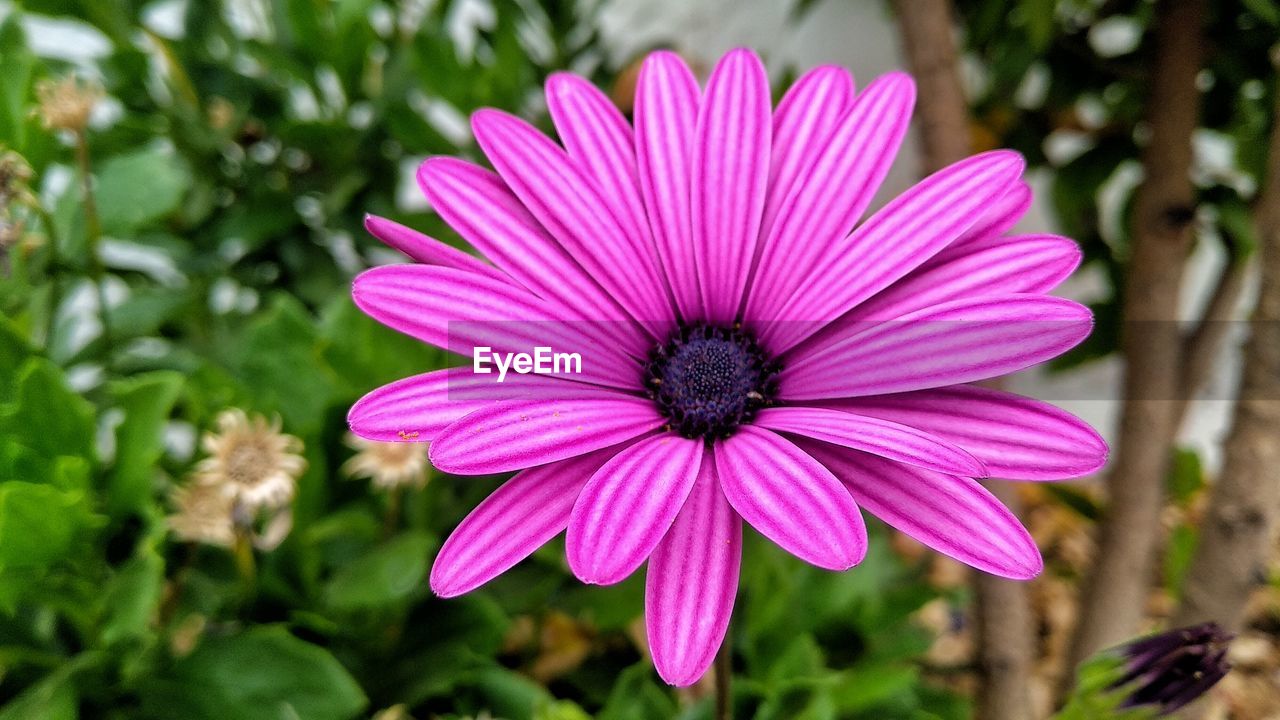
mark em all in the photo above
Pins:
pixel 599 139
pixel 730 175
pixel 427 249
pixel 476 203
pixel 692 582
pixel 666 116
pixel 415 408
pixel 1016 437
pixel 830 196
pixel 627 507
pixel 802 126
pixel 518 518
pixel 995 265
pixel 955 516
pixel 567 204
pixel 522 433
pixel 896 240
pixel 887 439
pixel 458 311
pixel 957 342
pixel 1000 217
pixel 790 498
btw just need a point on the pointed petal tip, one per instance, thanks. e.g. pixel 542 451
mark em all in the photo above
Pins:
pixel 678 676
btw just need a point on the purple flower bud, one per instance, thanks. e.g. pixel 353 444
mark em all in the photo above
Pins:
pixel 1170 669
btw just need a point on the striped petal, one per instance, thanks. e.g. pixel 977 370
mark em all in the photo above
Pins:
pixel 459 311
pixel 522 433
pixel 955 516
pixel 666 117
pixel 790 498
pixel 627 507
pixel 567 204
pixel 1016 437
pixel 692 582
pixel 834 190
pixel 897 239
pixel 427 249
pixel 958 342
pixel 730 176
pixel 417 408
pixel 887 439
pixel 1000 217
pixel 518 518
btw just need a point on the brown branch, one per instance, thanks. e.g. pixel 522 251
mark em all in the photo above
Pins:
pixel 1115 593
pixel 1241 522
pixel 1002 608
pixel 1201 348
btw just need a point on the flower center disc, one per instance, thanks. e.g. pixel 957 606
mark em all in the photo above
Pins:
pixel 709 380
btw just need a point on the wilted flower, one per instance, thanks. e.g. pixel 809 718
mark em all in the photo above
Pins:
pixel 66 103
pixel 388 465
pixel 1170 669
pixel 208 515
pixel 251 461
pixel 750 350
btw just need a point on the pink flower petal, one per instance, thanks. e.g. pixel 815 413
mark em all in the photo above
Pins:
pixel 897 239
pixel 955 516
pixel 628 505
pixel 458 311
pixel 427 249
pixel 477 204
pixel 957 342
pixel 802 126
pixel 692 582
pixel 830 196
pixel 1016 437
pixel 518 518
pixel 790 498
pixel 522 433
pixel 666 115
pixel 416 408
pixel 730 176
pixel 996 265
pixel 567 204
pixel 887 439
pixel 1000 217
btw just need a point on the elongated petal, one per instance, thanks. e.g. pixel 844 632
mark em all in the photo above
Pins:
pixel 897 239
pixel 830 196
pixel 599 139
pixel 667 98
pixel 730 175
pixel 1000 217
pixel 427 249
pixel 416 408
pixel 948 344
pixel 1016 437
pixel 518 518
pixel 567 204
pixel 1032 264
pixel 692 582
pixel 790 498
pixel 477 204
pixel 522 433
pixel 459 311
pixel 887 439
pixel 627 507
pixel 802 126
pixel 955 516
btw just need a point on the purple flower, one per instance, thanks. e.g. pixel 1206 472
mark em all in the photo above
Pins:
pixel 1168 670
pixel 751 348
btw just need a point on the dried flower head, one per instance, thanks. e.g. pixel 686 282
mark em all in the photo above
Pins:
pixel 66 103
pixel 388 464
pixel 209 515
pixel 251 461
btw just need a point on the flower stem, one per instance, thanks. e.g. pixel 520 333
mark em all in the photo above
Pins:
pixel 723 679
pixel 246 566
pixel 395 500
pixel 93 231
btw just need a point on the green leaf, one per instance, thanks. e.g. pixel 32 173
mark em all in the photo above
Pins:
pixel 139 187
pixel 132 597
pixel 388 573
pixel 47 415
pixel 262 674
pixel 636 696
pixel 1186 476
pixel 14 351
pixel 278 359
pixel 147 401
pixel 53 698
pixel 1268 10
pixel 1177 558
pixel 40 526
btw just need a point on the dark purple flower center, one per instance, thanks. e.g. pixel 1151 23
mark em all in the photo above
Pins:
pixel 709 380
